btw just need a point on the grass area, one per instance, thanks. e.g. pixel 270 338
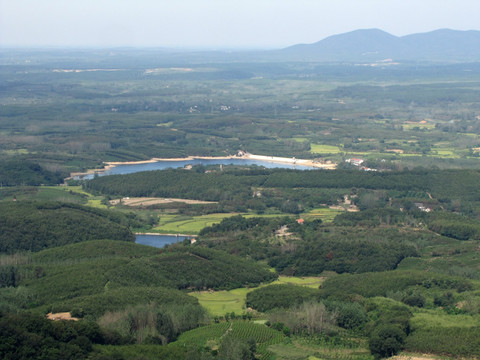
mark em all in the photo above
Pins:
pixel 325 149
pixel 96 203
pixel 77 189
pixel 317 349
pixel 167 124
pixel 309 281
pixel 325 214
pixel 58 194
pixel 73 194
pixel 16 152
pixel 359 153
pixel 444 152
pixel 436 318
pixel 426 126
pixel 219 303
pixel 409 154
pixel 181 224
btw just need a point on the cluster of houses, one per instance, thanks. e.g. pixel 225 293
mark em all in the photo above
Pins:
pixel 422 207
pixel 359 164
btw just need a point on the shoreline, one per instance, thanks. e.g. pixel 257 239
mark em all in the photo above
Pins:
pixel 273 159
pixel 185 235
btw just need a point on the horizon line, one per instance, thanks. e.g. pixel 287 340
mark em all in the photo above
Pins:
pixel 201 48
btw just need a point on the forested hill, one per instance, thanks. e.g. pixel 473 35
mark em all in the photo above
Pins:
pixel 215 186
pixel 35 226
pixel 23 172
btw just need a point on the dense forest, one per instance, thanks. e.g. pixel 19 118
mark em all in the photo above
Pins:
pixel 291 190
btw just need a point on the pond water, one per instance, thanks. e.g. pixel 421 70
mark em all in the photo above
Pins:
pixel 158 241
pixel 163 164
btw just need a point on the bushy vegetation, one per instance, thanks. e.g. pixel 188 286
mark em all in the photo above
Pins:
pixel 92 249
pixel 381 283
pixel 95 305
pixel 449 341
pixel 344 250
pixel 279 296
pixel 153 323
pixel 28 336
pixel 191 268
pixel 455 226
pixel 310 318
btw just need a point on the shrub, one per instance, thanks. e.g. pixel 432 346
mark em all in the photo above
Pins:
pixel 414 299
pixel 348 315
pixel 444 300
pixel 386 341
pixel 279 296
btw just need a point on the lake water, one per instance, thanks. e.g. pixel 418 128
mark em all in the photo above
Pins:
pixel 158 241
pixel 162 165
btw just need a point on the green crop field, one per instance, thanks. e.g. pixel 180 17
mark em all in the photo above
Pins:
pixel 181 224
pixel 297 350
pixel 309 281
pixel 219 303
pixel 16 152
pixel 444 152
pixel 211 335
pixel 96 203
pixel 325 149
pixel 51 193
pixel 325 214
pixel 299 139
pixel 206 334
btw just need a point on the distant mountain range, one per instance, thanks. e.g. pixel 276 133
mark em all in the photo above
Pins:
pixel 374 45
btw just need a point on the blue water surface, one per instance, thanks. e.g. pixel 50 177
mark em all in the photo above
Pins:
pixel 158 241
pixel 163 164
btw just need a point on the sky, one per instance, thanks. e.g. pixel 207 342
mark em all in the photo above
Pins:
pixel 217 24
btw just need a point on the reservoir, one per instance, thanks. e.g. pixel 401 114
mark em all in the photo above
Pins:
pixel 165 164
pixel 158 241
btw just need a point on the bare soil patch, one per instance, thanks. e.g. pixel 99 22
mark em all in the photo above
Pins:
pixel 61 316
pixel 414 357
pixel 147 201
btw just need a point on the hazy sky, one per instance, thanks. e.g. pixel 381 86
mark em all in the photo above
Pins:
pixel 219 23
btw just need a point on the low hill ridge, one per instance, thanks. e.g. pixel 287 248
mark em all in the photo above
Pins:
pixel 378 45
